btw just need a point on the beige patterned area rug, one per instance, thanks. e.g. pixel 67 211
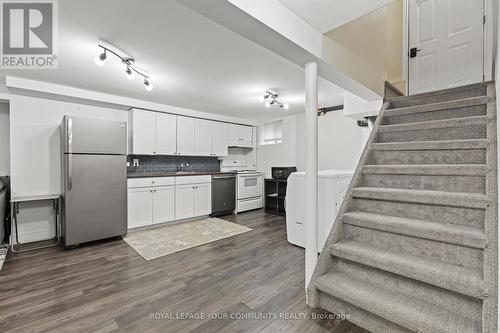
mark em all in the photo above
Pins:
pixel 161 241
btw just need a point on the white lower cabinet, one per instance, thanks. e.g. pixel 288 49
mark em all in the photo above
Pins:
pixel 202 199
pixel 193 200
pixel 140 207
pixel 158 200
pixel 184 203
pixel 163 204
pixel 150 201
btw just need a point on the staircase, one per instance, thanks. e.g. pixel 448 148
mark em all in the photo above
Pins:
pixel 414 245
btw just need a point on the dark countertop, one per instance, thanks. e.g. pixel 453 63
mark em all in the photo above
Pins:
pixel 174 174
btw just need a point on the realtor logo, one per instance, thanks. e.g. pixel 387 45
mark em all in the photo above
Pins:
pixel 29 34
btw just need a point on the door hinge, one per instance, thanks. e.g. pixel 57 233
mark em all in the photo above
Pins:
pixel 484 19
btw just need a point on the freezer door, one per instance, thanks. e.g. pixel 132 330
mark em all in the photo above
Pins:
pixel 94 136
pixel 95 197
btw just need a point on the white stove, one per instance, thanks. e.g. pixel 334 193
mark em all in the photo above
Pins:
pixel 249 185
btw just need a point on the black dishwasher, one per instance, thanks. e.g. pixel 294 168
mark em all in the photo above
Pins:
pixel 223 194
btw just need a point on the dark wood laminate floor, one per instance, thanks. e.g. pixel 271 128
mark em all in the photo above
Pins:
pixel 108 287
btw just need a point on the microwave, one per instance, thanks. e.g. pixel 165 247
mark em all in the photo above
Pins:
pixel 282 172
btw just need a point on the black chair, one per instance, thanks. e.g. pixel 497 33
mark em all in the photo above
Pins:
pixel 4 209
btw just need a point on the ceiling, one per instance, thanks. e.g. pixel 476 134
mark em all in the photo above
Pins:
pixel 325 15
pixel 194 62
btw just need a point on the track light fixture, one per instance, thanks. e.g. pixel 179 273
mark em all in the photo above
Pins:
pixel 271 98
pixel 130 68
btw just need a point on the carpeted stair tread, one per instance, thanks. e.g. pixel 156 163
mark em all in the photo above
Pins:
pixel 435 124
pixel 412 313
pixel 414 245
pixel 448 94
pixel 441 198
pixel 444 232
pixel 447 276
pixel 427 169
pixel 473 101
pixel 466 144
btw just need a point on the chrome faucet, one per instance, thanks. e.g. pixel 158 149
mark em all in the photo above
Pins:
pixel 184 165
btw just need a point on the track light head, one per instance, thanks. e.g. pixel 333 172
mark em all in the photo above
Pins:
pixel 100 60
pixel 148 85
pixel 130 73
pixel 264 98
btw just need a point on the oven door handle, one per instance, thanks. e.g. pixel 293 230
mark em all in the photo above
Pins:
pixel 223 177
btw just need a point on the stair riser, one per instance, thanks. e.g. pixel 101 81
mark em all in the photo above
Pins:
pixel 466 92
pixel 358 316
pixel 435 134
pixel 471 184
pixel 440 214
pixel 456 303
pixel 412 157
pixel 453 254
pixel 468 111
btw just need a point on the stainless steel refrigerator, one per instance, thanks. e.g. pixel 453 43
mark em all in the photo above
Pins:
pixel 94 179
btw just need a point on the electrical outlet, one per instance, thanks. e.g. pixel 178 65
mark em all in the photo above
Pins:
pixel 136 162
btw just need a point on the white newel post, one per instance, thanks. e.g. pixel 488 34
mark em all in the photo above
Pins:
pixel 311 86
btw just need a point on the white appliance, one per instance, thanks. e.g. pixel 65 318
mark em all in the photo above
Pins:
pixel 332 188
pixel 249 185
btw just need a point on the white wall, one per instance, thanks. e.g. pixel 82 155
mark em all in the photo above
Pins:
pixel 340 141
pixel 283 154
pixel 35 164
pixel 36 144
pixel 340 144
pixel 4 139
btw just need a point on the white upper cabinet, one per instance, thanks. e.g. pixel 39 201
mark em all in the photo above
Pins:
pixel 203 137
pixel 143 130
pixel 185 136
pixel 240 136
pixel 157 133
pixel 219 139
pixel 166 134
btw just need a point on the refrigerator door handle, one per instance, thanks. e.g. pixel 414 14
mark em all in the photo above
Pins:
pixel 70 171
pixel 70 135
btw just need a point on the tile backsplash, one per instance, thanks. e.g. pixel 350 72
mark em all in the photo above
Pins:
pixel 160 163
